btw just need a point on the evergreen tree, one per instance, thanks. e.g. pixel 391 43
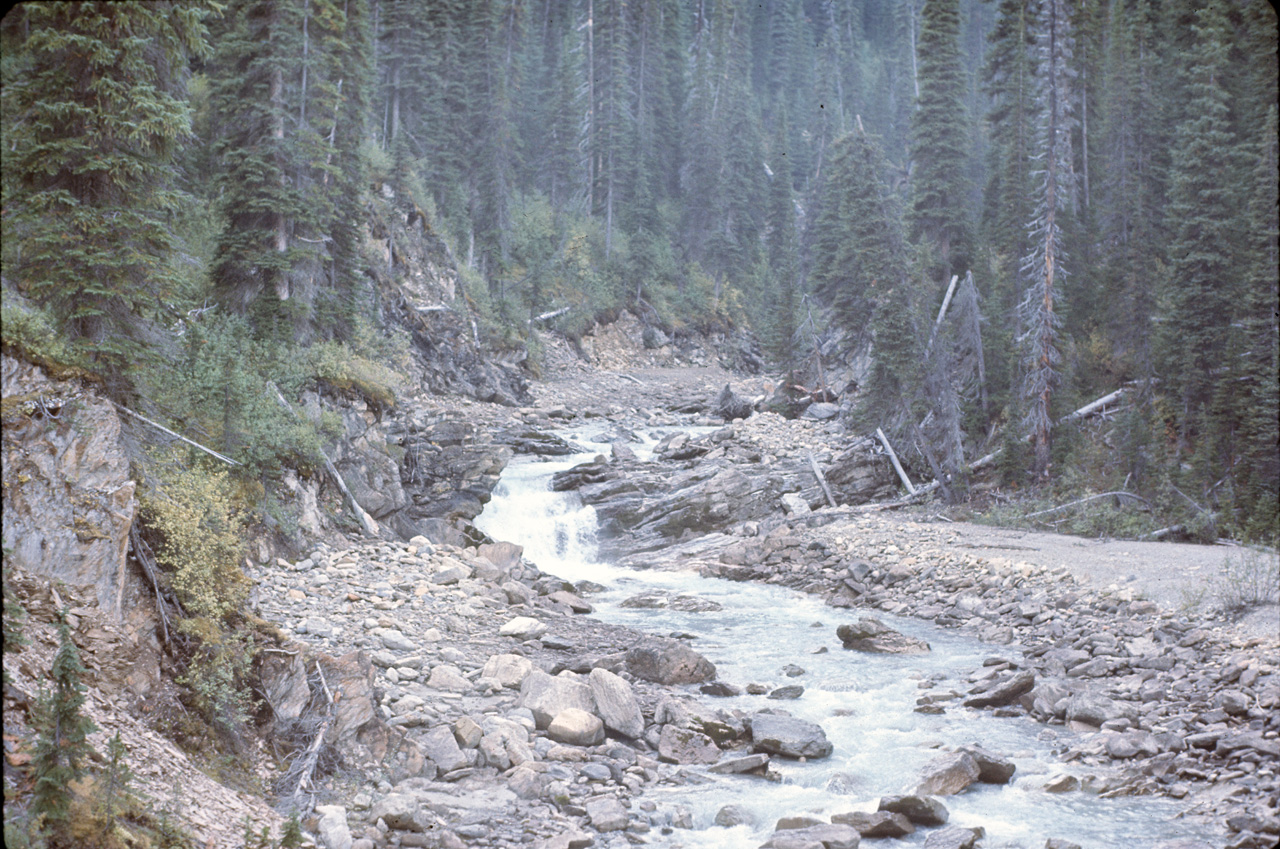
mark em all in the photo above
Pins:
pixel 860 267
pixel 783 293
pixel 939 143
pixel 62 745
pixel 1201 289
pixel 1043 267
pixel 100 113
pixel 289 172
pixel 1130 186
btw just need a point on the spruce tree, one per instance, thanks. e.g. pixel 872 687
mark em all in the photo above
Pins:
pixel 101 112
pixel 860 267
pixel 1200 284
pixel 1040 310
pixel 939 144
pixel 62 745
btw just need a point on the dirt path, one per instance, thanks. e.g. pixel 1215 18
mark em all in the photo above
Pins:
pixel 1176 576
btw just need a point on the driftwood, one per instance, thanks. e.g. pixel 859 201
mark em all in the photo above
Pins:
pixel 942 314
pixel 897 466
pixel 142 553
pixel 822 481
pixel 366 521
pixel 1078 501
pixel 307 766
pixel 547 316
pixel 190 442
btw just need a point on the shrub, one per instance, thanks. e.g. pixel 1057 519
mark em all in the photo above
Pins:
pixel 202 532
pixel 61 745
pixel 348 373
pixel 1249 579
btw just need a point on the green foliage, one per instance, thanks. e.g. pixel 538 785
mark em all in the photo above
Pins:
pixel 100 113
pixel 203 539
pixel 223 382
pixel 115 781
pixel 30 332
pixel 341 369
pixel 1247 579
pixel 217 675
pixel 61 745
pixel 939 134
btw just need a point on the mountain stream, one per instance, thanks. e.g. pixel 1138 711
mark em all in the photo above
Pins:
pixel 864 702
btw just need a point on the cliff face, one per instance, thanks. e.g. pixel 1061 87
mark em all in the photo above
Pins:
pixel 68 504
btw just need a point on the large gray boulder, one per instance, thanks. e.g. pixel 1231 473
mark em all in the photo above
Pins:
pixel 871 635
pixel 547 695
pixel 948 775
pixel 669 662
pixel 921 810
pixel 576 727
pixel 441 747
pixel 1004 691
pixel 616 703
pixel 686 746
pixel 788 736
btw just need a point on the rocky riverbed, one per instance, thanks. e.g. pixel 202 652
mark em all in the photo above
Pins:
pixel 465 697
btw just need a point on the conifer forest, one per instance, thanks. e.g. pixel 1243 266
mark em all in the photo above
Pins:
pixel 1089 186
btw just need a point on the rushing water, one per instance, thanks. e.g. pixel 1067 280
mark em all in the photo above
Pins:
pixel 865 703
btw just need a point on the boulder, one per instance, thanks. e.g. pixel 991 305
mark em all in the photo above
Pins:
pixel 878 824
pixel 332 828
pixel 992 768
pixel 825 835
pixel 523 628
pixel 948 775
pixel 607 814
pixel 509 670
pixel 669 662
pixel 788 736
pixel 686 746
pixel 731 815
pixel 450 678
pixel 546 696
pixel 616 703
pixel 871 635
pixel 504 555
pixel 757 763
pixel 402 812
pixel 921 810
pixel 1004 691
pixel 953 837
pixel 576 727
pixel 441 747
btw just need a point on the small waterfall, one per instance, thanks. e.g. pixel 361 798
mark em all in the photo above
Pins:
pixel 865 703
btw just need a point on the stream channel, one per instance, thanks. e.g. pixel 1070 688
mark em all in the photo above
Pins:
pixel 864 702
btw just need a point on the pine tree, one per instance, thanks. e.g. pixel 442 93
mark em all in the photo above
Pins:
pixel 1040 309
pixel 1200 293
pixel 783 294
pixel 860 268
pixel 101 112
pixel 1129 181
pixel 62 745
pixel 939 143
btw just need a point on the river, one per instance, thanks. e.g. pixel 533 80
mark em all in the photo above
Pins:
pixel 865 703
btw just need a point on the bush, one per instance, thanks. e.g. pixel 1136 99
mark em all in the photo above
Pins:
pixel 1248 579
pixel 62 745
pixel 202 532
pixel 346 372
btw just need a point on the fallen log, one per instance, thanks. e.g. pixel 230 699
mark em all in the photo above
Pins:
pixel 897 466
pixel 822 481
pixel 367 524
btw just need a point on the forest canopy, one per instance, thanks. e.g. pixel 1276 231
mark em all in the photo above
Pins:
pixel 1094 182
